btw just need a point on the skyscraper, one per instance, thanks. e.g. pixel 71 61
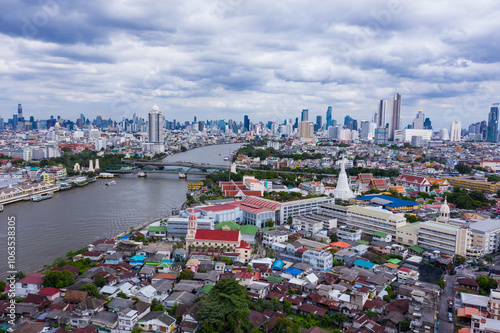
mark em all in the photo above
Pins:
pixel 427 123
pixel 329 117
pixel 455 131
pixel 418 122
pixel 382 106
pixel 305 115
pixel 395 118
pixel 319 123
pixel 246 124
pixel 492 131
pixel 155 125
pixel 19 112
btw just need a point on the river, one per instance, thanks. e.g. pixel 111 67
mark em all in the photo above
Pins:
pixel 74 218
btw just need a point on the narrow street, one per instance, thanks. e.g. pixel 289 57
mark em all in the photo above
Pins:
pixel 444 325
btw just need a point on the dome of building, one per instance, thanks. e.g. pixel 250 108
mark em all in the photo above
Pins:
pixel 445 209
pixel 155 108
pixel 192 217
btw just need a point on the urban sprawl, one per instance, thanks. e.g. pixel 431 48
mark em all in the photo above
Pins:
pixel 311 227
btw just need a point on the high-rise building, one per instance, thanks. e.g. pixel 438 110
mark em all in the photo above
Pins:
pixel 427 123
pixel 492 131
pixel 304 115
pixel 155 125
pixel 319 123
pixel 382 106
pixel 246 124
pixel 19 112
pixel 329 117
pixel 306 130
pixel 395 117
pixel 418 122
pixel 455 131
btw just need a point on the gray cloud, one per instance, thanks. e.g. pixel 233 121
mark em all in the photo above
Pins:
pixel 227 58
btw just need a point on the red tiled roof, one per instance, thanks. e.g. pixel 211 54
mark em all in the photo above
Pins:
pixel 91 254
pixel 263 203
pixel 410 179
pixel 217 235
pixel 313 309
pixel 34 278
pixel 404 269
pixel 217 208
pixel 48 291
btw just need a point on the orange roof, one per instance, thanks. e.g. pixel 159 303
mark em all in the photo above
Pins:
pixel 468 312
pixel 391 265
pixel 340 244
pixel 464 330
pixel 400 189
pixel 168 276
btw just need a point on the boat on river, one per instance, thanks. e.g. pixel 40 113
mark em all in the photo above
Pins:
pixel 41 197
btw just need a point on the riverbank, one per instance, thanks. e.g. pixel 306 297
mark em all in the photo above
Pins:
pixel 47 229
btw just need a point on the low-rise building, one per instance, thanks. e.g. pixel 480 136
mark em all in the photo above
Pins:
pixel 320 260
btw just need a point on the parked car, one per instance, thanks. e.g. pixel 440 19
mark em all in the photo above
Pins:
pixel 450 317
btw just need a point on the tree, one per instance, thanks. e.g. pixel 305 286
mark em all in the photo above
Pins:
pixel 287 307
pixel 404 325
pixel 100 281
pixel 136 329
pixel 334 238
pixel 441 283
pixel 58 279
pixel 2 285
pixel 459 260
pixel 172 310
pixel 226 260
pixel 489 259
pixel 286 325
pixel 494 178
pixel 463 169
pixel 121 294
pixel 91 289
pixel 186 274
pixel 225 308
pixel 159 307
pixel 411 218
pixel 269 223
pixel 339 319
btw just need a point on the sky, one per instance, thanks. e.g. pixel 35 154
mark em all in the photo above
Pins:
pixel 222 59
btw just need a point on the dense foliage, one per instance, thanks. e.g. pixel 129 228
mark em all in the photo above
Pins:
pixel 467 200
pixel 58 279
pixel 225 308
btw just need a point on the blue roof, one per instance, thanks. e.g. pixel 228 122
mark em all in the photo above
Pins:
pixel 293 271
pixel 138 257
pixel 33 168
pixel 278 265
pixel 394 202
pixel 125 236
pixel 363 263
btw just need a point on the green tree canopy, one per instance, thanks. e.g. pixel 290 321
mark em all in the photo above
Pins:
pixel 100 281
pixel 225 308
pixel 58 279
pixel 186 274
pixel 91 289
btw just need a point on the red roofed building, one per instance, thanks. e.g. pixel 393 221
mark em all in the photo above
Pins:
pixel 32 283
pixel 50 293
pixel 418 183
pixel 229 239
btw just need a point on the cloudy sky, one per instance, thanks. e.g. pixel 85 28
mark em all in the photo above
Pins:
pixel 268 59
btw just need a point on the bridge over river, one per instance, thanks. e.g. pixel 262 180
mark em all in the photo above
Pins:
pixel 165 167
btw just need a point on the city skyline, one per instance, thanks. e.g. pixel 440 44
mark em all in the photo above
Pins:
pixel 114 60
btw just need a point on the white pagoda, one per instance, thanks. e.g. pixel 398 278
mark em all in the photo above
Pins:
pixel 343 191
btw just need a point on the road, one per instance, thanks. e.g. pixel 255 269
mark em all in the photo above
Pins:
pixel 444 325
